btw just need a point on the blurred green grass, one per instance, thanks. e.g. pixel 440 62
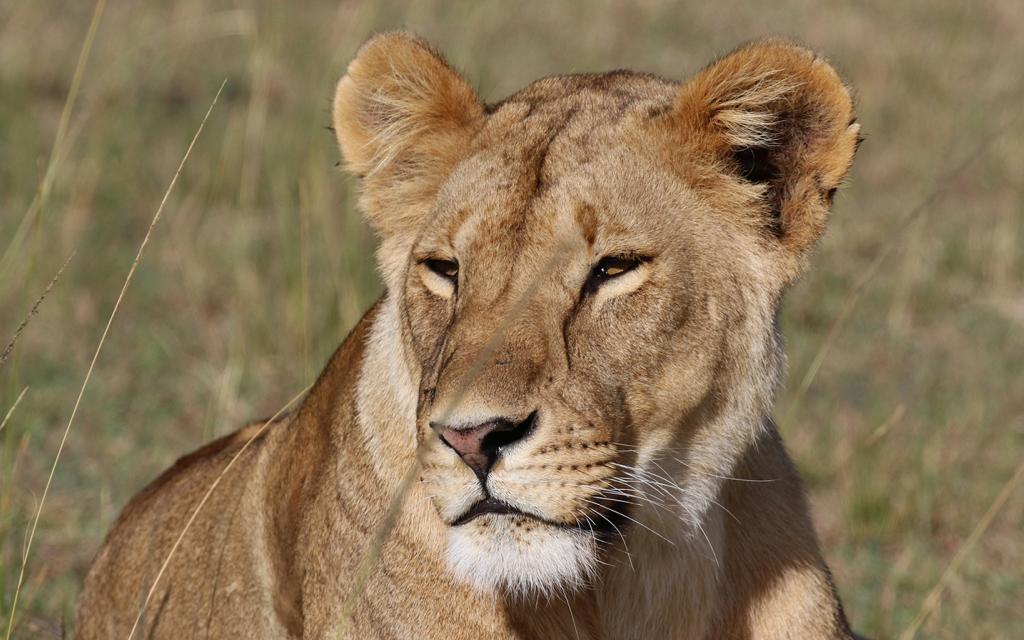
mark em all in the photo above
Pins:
pixel 261 263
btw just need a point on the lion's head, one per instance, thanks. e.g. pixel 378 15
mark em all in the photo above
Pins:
pixel 588 275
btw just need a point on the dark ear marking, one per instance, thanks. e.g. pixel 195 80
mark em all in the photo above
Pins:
pixel 756 164
pixel 759 165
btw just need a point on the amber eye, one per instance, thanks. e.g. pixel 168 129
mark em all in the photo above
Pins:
pixel 448 269
pixel 609 268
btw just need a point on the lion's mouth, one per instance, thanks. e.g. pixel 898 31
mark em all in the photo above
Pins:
pixel 492 505
pixel 489 505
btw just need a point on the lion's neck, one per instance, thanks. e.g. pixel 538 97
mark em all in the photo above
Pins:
pixel 668 583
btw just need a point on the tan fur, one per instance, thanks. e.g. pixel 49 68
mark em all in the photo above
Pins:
pixel 657 499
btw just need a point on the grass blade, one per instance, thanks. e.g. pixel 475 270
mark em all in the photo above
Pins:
pixel 43 193
pixel 96 355
pixel 7 416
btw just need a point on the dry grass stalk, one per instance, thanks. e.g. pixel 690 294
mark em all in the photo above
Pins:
pixel 95 357
pixel 35 309
pixel 931 601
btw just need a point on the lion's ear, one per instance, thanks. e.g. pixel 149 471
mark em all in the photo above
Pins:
pixel 779 119
pixel 403 117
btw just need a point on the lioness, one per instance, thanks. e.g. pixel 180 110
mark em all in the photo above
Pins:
pixel 576 356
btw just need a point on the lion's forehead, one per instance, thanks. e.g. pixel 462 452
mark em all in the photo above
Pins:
pixel 609 92
pixel 562 115
pixel 558 145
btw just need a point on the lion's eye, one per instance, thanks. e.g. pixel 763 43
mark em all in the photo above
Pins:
pixel 448 269
pixel 610 267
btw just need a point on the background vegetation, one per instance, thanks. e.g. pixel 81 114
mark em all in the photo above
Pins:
pixel 904 405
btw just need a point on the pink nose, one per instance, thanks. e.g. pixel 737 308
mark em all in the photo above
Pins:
pixel 479 446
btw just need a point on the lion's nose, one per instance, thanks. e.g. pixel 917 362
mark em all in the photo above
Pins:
pixel 480 445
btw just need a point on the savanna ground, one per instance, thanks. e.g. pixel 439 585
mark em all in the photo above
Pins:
pixel 904 404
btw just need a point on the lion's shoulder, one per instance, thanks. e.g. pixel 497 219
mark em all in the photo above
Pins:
pixel 209 455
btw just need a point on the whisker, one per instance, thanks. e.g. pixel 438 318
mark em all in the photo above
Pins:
pixel 711 547
pixel 571 616
pixel 660 486
pixel 597 541
pixel 638 523
pixel 720 477
pixel 725 509
pixel 630 448
pixel 625 547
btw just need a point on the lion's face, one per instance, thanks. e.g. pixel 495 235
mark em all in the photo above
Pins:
pixel 575 303
pixel 588 275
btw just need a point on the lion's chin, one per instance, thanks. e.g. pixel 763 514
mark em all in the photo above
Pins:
pixel 520 556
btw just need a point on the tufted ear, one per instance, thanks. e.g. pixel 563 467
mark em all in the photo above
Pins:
pixel 778 119
pixel 403 117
